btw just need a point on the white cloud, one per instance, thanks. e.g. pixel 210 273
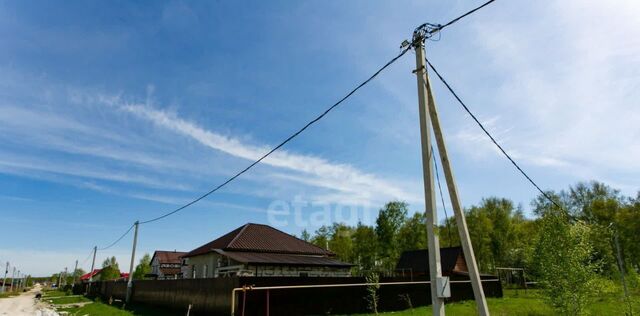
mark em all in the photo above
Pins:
pixel 570 86
pixel 312 170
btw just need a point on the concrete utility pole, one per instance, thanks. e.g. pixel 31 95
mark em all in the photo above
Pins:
pixel 435 270
pixel 4 280
pixel 133 258
pixel 93 263
pixel 13 276
pixel 65 276
pixel 75 272
pixel 465 240
pixel 59 280
pixel 621 267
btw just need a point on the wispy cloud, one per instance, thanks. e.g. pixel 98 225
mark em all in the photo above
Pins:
pixel 311 170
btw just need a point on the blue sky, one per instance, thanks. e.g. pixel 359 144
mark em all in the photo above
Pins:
pixel 113 112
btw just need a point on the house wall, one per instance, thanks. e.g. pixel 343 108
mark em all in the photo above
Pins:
pixel 211 261
pixel 294 271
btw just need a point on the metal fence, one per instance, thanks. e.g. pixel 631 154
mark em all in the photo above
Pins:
pixel 285 295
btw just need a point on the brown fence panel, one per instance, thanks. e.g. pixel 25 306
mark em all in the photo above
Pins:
pixel 213 296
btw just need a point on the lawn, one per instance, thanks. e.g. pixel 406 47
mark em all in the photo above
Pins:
pixel 521 304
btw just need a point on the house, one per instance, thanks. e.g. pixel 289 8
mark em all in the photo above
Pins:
pixel 416 262
pixel 166 264
pixel 96 276
pixel 261 250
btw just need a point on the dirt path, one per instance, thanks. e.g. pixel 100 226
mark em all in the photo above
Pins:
pixel 24 305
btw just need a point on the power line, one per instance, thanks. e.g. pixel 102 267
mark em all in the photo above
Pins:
pixel 283 142
pixel 117 240
pixel 444 206
pixel 427 30
pixel 489 135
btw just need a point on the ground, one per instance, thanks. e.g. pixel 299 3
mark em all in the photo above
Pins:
pixel 24 304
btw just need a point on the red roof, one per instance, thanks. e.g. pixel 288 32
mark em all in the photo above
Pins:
pixel 95 272
pixel 262 239
pixel 90 274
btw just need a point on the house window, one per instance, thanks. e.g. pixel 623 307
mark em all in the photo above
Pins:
pixel 193 272
pixel 204 271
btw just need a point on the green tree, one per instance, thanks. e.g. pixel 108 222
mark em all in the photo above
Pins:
pixel 365 245
pixel 143 268
pixel 321 237
pixel 305 235
pixel 563 262
pixel 388 224
pixel 340 241
pixel 412 234
pixel 110 269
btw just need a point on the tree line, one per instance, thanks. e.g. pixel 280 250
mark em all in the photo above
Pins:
pixel 573 251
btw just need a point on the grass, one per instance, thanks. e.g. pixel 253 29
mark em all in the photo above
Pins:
pixel 521 304
pixel 96 307
pixel 8 294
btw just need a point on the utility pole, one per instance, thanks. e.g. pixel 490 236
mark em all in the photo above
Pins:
pixel 13 276
pixel 621 267
pixel 133 258
pixel 59 280
pixel 93 263
pixel 75 272
pixel 465 240
pixel 431 214
pixel 65 276
pixel 4 280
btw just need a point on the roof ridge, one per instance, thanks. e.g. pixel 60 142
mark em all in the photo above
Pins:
pixel 244 227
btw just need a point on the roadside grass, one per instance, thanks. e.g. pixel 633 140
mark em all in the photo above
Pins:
pixel 8 294
pixel 53 293
pixel 98 308
pixel 67 300
pixel 64 302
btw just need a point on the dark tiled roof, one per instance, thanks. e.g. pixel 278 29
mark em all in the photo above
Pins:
pixel 260 238
pixel 168 256
pixel 418 260
pixel 262 258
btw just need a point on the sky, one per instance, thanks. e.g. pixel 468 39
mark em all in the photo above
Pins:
pixel 112 112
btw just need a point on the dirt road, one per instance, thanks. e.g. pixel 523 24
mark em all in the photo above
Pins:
pixel 24 305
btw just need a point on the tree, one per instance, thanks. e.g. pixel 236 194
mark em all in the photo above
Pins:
pixel 321 237
pixel 413 233
pixel 365 245
pixel 563 262
pixel 340 241
pixel 305 235
pixel 110 269
pixel 143 268
pixel 388 223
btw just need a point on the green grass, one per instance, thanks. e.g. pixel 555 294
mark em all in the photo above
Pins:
pixel 8 294
pixel 529 304
pixel 53 293
pixel 68 300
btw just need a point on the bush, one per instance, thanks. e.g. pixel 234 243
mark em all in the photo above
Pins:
pixel 563 260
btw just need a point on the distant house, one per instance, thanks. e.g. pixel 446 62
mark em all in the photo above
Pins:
pixel 96 276
pixel 261 250
pixel 166 264
pixel 416 262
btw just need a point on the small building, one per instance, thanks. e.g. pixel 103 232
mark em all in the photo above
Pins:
pixel 261 250
pixel 416 262
pixel 166 265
